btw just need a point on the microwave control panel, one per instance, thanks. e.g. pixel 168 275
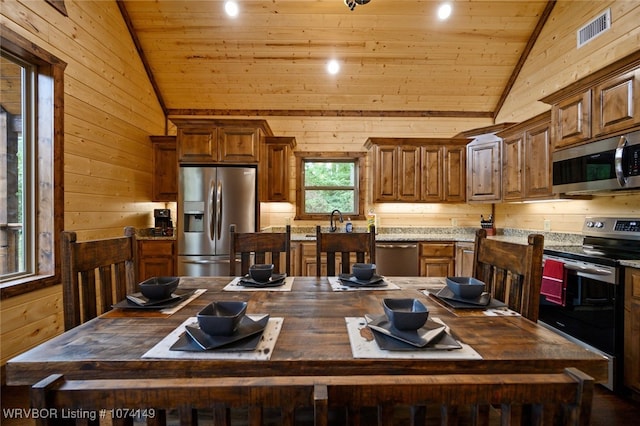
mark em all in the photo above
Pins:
pixel 633 160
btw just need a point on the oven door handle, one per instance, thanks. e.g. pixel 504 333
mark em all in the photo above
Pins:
pixel 586 270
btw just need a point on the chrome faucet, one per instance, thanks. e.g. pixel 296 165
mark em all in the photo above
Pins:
pixel 332 226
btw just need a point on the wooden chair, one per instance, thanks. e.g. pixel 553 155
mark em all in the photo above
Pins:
pixel 96 274
pixel 192 399
pixel 331 243
pixel 257 245
pixel 451 399
pixel 512 272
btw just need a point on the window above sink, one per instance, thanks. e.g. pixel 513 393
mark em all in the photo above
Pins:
pixel 327 181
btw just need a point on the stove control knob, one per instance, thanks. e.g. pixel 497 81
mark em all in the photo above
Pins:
pixel 590 224
pixel 599 224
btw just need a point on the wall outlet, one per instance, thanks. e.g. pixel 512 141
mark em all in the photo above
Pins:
pixel 454 222
pixel 547 225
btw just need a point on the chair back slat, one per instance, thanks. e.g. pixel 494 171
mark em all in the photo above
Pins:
pixel 96 274
pixel 262 247
pixel 363 245
pixel 512 272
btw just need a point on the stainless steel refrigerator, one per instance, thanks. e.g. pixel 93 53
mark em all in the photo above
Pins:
pixel 210 198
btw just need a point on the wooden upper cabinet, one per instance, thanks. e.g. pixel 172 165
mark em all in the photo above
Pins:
pixel 198 143
pixel 571 120
pixel 217 140
pixel 527 160
pixel 239 144
pixel 455 173
pixel 385 173
pixel 604 103
pixel 165 168
pixel 617 103
pixel 484 169
pixel 274 168
pixel 418 169
pixel 431 174
pixel 408 173
pixel 512 162
pixel 538 182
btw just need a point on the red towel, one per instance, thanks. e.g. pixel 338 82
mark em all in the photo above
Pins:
pixel 554 282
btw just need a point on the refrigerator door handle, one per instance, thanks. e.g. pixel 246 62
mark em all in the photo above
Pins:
pixel 211 211
pixel 219 209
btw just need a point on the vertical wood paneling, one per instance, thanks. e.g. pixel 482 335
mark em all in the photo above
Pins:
pixel 110 111
pixel 555 61
pixel 565 216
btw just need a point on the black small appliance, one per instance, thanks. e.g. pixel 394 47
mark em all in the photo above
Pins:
pixel 163 224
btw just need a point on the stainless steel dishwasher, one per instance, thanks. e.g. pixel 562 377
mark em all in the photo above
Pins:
pixel 398 259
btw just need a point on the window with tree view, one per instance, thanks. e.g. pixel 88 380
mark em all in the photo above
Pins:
pixel 330 185
pixel 327 181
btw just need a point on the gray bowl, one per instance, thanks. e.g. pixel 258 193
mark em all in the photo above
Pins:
pixel 363 271
pixel 261 272
pixel 158 288
pixel 406 314
pixel 465 287
pixel 221 318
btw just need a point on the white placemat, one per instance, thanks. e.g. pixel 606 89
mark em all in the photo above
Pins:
pixel 236 286
pixel 174 309
pixel 365 347
pixel 491 312
pixel 261 353
pixel 336 285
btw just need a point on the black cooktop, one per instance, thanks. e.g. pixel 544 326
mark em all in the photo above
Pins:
pixel 604 251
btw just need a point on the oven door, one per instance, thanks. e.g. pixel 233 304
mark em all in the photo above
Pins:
pixel 591 309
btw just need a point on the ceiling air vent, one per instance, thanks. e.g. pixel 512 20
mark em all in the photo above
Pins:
pixel 593 29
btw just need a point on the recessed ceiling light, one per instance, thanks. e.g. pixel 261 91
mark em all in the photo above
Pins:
pixel 231 7
pixel 444 11
pixel 333 67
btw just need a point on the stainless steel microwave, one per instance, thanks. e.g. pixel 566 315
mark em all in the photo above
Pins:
pixel 605 165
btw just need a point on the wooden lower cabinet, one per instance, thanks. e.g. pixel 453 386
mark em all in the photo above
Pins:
pixel 632 329
pixel 437 259
pixel 156 258
pixel 464 259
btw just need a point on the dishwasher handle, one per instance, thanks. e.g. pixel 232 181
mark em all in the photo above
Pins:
pixel 396 246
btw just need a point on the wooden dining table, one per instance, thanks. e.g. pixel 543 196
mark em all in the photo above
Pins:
pixel 313 339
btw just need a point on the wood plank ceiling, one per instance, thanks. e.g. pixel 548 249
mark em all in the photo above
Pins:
pixel 397 58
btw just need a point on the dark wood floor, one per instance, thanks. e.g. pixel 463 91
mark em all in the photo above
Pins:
pixel 608 409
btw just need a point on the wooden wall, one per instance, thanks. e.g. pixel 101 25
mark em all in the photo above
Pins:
pixel 555 61
pixel 110 111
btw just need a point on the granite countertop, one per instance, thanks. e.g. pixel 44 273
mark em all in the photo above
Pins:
pixel 455 234
pixel 631 263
